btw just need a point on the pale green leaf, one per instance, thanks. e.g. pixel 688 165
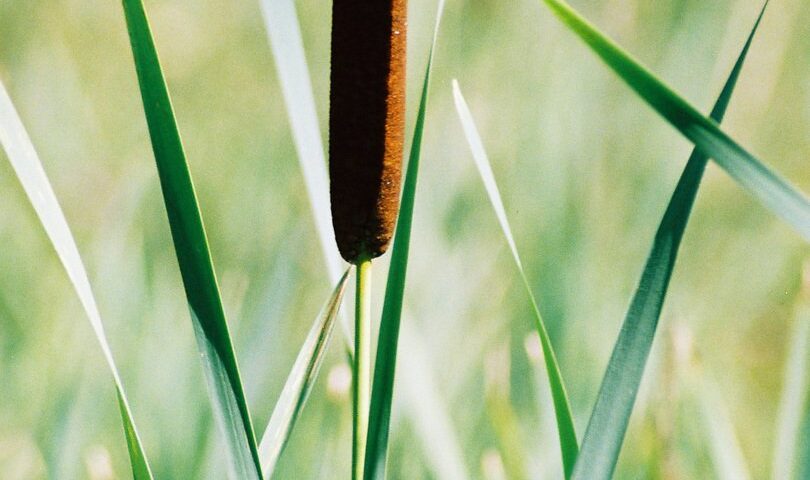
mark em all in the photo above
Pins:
pixel 29 170
pixel 565 422
pixel 299 382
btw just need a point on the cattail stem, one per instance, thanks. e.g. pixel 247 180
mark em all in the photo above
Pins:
pixel 361 367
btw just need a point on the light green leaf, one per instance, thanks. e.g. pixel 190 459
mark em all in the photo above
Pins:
pixel 385 365
pixel 774 192
pixel 300 380
pixel 191 246
pixel 29 170
pixel 565 421
pixel 614 404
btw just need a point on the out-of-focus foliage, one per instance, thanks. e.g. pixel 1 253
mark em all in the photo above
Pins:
pixel 584 167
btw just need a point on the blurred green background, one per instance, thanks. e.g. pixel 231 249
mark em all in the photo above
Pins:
pixel 585 169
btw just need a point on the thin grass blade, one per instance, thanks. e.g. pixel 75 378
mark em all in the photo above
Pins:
pixel 604 435
pixel 25 161
pixel 287 47
pixel 562 409
pixel 424 404
pixel 299 383
pixel 793 400
pixel 724 447
pixel 382 391
pixel 771 190
pixel 191 246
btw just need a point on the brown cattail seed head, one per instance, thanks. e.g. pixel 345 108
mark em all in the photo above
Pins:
pixel 366 123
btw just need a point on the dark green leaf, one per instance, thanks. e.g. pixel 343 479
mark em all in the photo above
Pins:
pixel 614 404
pixel 774 192
pixel 191 247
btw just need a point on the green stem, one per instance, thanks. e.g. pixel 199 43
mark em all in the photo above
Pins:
pixel 360 367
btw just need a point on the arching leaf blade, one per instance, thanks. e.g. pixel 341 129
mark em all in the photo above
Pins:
pixel 562 410
pixel 28 167
pixel 771 190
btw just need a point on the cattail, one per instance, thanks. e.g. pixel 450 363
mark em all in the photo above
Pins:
pixel 366 123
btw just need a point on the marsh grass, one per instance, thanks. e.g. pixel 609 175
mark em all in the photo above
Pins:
pixel 609 420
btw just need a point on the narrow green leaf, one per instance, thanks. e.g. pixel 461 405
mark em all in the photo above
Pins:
pixel 774 192
pixel 382 390
pixel 614 404
pixel 562 410
pixel 300 380
pixel 191 247
pixel 29 170
pixel 424 405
